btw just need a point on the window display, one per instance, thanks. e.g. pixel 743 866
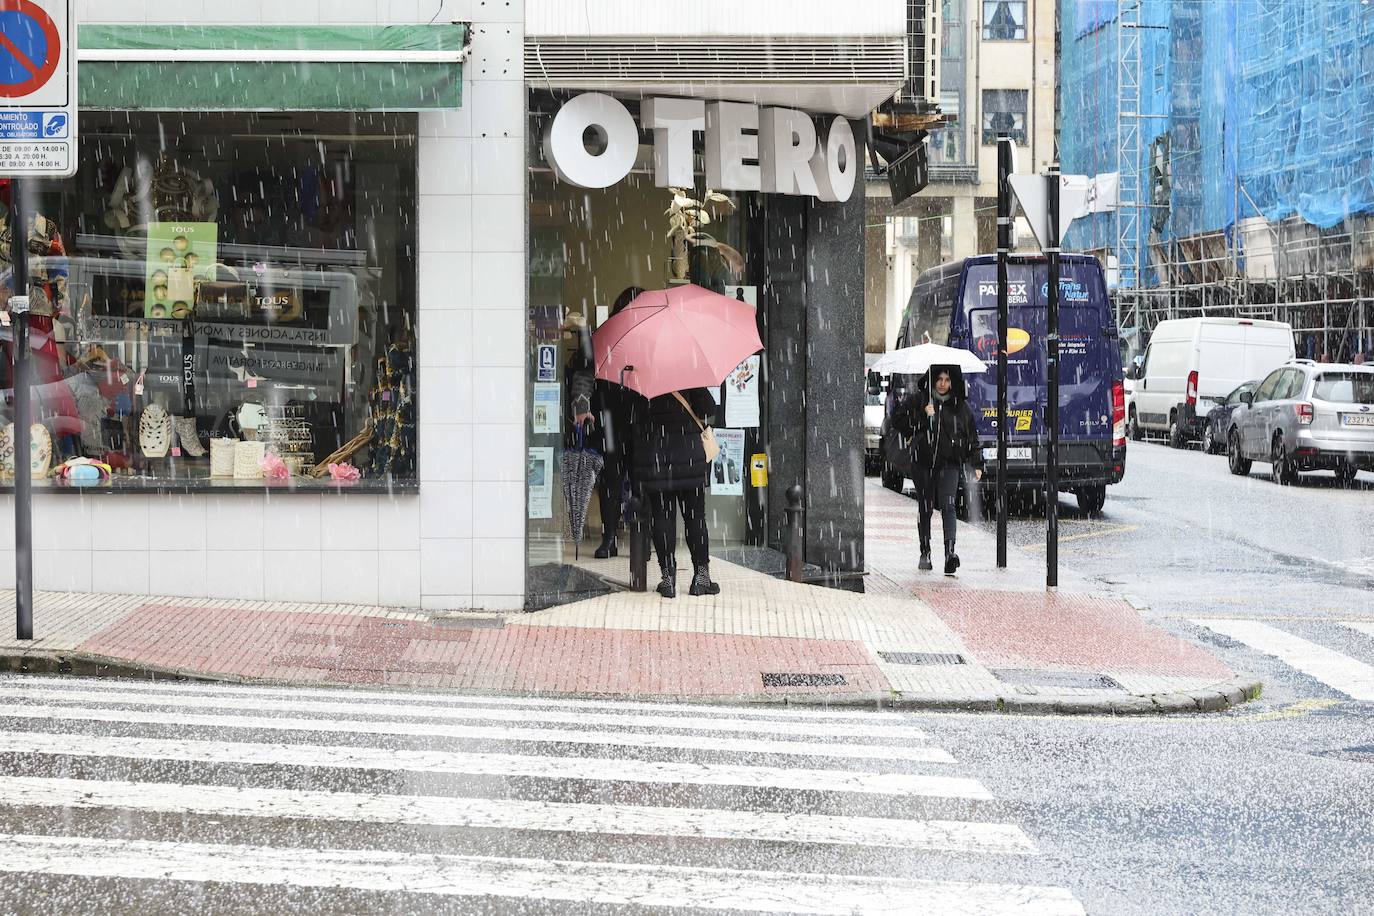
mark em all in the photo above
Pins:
pixel 207 281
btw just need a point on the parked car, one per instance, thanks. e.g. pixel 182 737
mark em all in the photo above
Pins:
pixel 873 424
pixel 956 304
pixel 1192 364
pixel 1219 418
pixel 1306 416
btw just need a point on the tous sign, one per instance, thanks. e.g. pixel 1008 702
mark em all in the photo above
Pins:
pixel 791 158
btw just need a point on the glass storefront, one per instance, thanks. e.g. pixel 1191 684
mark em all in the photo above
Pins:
pixel 586 247
pixel 225 300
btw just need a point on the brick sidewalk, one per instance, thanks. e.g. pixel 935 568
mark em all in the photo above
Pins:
pixel 989 640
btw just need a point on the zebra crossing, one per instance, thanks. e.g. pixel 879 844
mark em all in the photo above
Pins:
pixel 493 804
pixel 1343 670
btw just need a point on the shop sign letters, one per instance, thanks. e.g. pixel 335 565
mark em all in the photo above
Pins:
pixel 747 148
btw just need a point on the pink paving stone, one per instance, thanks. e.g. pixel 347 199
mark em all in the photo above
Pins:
pixel 1065 630
pixel 340 648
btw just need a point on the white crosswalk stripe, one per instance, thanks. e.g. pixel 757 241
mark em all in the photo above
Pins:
pixel 1336 670
pixel 280 802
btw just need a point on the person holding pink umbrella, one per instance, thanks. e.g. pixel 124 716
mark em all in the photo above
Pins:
pixel 671 346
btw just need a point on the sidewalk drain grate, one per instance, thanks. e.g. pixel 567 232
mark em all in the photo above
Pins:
pixel 793 679
pixel 471 623
pixel 1029 677
pixel 923 658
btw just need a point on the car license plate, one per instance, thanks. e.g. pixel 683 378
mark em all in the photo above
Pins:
pixel 1021 453
pixel 1358 419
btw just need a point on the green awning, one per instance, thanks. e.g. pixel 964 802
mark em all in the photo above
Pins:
pixel 271 68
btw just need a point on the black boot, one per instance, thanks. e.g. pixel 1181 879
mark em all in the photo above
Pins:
pixel 701 581
pixel 925 563
pixel 607 549
pixel 668 586
pixel 951 559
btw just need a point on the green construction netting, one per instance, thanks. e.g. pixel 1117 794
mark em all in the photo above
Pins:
pixel 181 85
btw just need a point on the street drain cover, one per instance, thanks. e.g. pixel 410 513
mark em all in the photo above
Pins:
pixel 470 623
pixel 792 679
pixel 1062 679
pixel 922 658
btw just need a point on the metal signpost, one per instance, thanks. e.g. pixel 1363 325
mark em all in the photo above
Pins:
pixel 1004 167
pixel 1052 373
pixel 37 139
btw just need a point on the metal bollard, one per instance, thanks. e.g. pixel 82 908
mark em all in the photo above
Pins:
pixel 639 543
pixel 796 529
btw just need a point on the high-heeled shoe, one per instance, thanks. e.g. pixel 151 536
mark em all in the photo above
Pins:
pixel 188 438
pixel 608 548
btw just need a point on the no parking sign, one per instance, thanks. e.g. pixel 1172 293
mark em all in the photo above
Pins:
pixel 37 88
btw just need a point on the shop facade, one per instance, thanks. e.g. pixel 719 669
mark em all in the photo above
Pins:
pixel 286 233
pixel 736 172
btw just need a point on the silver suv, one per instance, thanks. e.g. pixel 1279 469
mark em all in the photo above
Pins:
pixel 1306 416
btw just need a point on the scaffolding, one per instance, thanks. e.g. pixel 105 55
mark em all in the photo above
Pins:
pixel 1242 141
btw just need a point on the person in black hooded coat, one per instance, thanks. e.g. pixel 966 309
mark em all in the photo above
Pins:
pixel 669 463
pixel 945 437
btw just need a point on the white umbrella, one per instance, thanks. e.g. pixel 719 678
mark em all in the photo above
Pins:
pixel 918 359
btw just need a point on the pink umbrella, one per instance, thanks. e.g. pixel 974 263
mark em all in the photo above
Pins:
pixel 672 339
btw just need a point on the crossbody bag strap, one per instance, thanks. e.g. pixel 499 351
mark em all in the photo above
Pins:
pixel 690 412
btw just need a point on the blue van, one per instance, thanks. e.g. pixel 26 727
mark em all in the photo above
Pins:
pixel 956 305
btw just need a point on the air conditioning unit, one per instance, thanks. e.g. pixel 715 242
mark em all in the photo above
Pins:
pixel 923 52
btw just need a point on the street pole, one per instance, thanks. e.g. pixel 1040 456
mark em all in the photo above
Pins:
pixel 1052 370
pixel 1003 249
pixel 23 460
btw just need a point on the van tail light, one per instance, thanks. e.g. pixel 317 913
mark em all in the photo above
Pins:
pixel 1118 414
pixel 1192 387
pixel 1305 414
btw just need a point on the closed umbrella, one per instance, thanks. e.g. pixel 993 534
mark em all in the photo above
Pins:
pixel 579 467
pixel 674 339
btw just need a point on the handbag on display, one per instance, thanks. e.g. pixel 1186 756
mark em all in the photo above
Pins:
pixel 708 434
pixel 40 450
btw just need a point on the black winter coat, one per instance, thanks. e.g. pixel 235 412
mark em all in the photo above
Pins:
pixel 950 438
pixel 667 453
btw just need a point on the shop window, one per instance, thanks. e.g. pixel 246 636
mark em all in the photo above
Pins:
pixel 1004 112
pixel 1004 20
pixel 226 301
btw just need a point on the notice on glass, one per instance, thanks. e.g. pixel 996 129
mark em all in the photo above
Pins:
pixel 546 411
pixel 742 395
pixel 727 473
pixel 541 482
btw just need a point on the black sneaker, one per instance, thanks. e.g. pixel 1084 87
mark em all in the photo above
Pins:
pixel 925 563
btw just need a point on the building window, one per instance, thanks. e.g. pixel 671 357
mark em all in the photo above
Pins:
pixel 1004 112
pixel 1004 20
pixel 215 289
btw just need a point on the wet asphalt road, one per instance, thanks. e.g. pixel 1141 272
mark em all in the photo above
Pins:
pixel 125 798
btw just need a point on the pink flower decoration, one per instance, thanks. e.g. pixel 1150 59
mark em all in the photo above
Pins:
pixel 273 468
pixel 344 472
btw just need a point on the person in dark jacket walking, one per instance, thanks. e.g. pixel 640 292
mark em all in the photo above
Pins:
pixel 669 463
pixel 602 409
pixel 945 438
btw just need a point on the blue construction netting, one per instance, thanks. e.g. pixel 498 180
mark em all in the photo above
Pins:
pixel 1267 106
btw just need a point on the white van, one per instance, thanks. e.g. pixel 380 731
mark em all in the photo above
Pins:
pixel 1192 364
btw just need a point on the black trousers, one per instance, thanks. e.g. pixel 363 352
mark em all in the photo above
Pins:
pixel 937 488
pixel 609 490
pixel 663 504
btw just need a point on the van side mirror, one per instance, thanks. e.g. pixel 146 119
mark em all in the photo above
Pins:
pixel 1247 398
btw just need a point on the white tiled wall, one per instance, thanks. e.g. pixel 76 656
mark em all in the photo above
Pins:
pixel 460 543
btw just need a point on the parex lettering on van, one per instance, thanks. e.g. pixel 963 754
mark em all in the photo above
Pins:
pixel 792 157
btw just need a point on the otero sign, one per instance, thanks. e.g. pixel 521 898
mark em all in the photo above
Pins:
pixel 747 147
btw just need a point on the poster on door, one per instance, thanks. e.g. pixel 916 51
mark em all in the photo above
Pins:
pixel 742 395
pixel 540 482
pixel 727 472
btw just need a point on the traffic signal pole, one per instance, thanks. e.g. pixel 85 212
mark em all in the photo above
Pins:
pixel 1003 249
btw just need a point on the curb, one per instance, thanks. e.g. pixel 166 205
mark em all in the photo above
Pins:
pixel 1224 695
